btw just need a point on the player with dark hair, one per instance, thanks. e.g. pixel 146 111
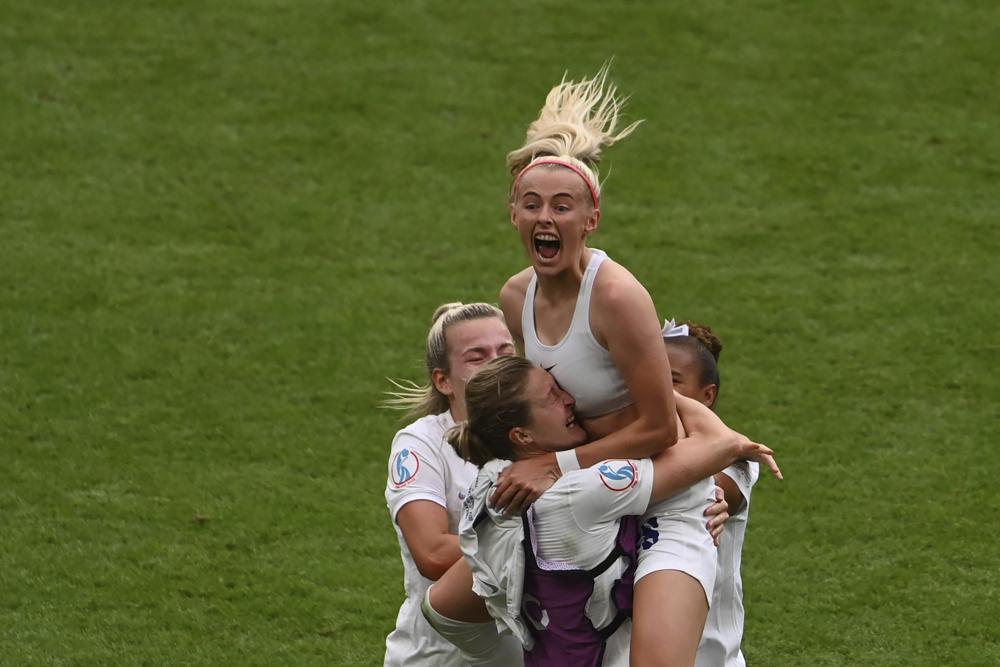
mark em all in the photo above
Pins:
pixel 694 354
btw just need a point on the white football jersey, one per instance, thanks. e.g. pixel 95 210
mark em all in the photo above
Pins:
pixel 423 466
pixel 720 642
pixel 575 525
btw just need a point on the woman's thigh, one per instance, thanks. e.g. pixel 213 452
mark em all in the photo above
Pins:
pixel 668 618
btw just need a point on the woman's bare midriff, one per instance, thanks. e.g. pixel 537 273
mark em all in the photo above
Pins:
pixel 599 427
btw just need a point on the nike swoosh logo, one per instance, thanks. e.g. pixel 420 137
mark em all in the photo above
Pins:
pixel 550 367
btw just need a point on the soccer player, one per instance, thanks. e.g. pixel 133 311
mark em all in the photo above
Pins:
pixel 427 482
pixel 581 534
pixel 586 318
pixel 694 354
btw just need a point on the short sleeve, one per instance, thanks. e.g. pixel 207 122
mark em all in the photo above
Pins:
pixel 745 474
pixel 610 490
pixel 416 472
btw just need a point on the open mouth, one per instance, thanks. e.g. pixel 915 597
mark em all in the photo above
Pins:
pixel 571 422
pixel 547 245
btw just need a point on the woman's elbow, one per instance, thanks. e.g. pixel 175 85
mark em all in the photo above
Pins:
pixel 433 563
pixel 431 568
pixel 661 438
pixel 670 433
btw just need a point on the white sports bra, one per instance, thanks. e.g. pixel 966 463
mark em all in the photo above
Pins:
pixel 580 364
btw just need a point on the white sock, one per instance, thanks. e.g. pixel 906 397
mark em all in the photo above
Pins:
pixel 480 643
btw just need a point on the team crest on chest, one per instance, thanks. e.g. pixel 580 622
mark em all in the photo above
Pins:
pixel 404 469
pixel 618 474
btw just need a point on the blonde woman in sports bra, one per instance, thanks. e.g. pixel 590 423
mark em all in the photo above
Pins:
pixel 586 319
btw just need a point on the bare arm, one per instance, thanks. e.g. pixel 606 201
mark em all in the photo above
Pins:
pixel 698 418
pixel 512 297
pixel 692 459
pixel 424 525
pixel 734 497
pixel 700 456
pixel 452 597
pixel 624 321
pixel 710 447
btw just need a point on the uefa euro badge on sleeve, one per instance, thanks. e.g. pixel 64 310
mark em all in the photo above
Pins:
pixel 405 466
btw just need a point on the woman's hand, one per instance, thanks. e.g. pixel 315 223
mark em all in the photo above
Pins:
pixel 522 482
pixel 718 514
pixel 753 451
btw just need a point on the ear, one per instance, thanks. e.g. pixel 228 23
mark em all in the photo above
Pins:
pixel 520 436
pixel 442 382
pixel 709 394
pixel 592 221
pixel 512 220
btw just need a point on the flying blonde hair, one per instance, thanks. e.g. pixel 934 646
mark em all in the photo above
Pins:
pixel 578 120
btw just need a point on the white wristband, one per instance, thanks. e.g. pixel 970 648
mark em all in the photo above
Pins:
pixel 567 461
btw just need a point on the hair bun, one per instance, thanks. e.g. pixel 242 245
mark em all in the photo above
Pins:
pixel 706 337
pixel 444 308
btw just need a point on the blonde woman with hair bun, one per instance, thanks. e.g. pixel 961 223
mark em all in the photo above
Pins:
pixel 427 481
pixel 588 320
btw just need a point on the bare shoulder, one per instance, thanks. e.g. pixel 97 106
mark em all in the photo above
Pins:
pixel 517 284
pixel 512 296
pixel 616 289
pixel 622 311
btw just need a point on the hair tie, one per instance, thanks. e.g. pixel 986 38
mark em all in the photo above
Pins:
pixel 672 329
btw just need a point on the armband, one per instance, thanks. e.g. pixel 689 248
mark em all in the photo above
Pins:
pixel 567 461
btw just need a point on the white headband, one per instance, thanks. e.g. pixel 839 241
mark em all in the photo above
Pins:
pixel 671 329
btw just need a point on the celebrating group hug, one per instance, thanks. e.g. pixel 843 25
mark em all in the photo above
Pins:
pixel 566 494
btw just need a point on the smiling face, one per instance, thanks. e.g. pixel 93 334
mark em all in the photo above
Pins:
pixel 553 213
pixel 552 426
pixel 470 345
pixel 686 372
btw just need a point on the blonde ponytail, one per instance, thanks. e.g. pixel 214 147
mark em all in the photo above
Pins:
pixel 467 445
pixel 578 120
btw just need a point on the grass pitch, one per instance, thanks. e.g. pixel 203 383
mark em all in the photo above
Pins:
pixel 224 224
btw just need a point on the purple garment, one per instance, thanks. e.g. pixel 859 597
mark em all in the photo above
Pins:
pixel 555 603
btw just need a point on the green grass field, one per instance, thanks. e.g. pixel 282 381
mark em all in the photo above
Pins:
pixel 224 224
